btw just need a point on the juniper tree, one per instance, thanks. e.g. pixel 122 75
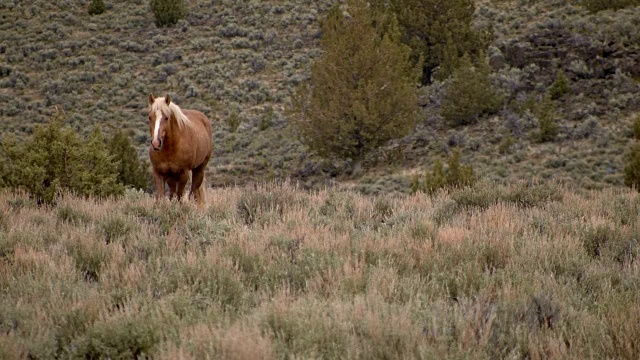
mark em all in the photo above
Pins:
pixel 50 161
pixel 456 175
pixel 636 127
pixel 560 86
pixel 469 94
pixel 632 167
pixel 168 12
pixel 54 159
pixel 547 123
pixel 599 5
pixel 361 92
pixel 440 32
pixel 100 169
pixel 131 171
pixel 97 7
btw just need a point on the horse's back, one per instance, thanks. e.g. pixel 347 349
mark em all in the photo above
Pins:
pixel 202 136
pixel 199 119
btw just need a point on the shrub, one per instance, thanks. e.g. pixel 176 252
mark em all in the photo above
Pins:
pixel 599 5
pixel 632 168
pixel 253 206
pixel 361 93
pixel 439 32
pixel 97 7
pixel 456 175
pixel 131 171
pixel 636 127
pixel 168 12
pixel 98 168
pixel 559 87
pixel 469 94
pixel 55 159
pixel 233 121
pixel 118 337
pixel 547 126
pixel 505 145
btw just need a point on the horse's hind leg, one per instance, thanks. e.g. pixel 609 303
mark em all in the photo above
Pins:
pixel 197 187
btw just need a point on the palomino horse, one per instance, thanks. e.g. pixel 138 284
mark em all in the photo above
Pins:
pixel 181 143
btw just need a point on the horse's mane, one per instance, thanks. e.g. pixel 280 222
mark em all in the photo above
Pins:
pixel 171 109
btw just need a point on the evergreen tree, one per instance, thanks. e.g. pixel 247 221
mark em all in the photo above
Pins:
pixel 440 32
pixel 100 175
pixel 97 7
pixel 10 161
pixel 469 94
pixel 599 5
pixel 168 12
pixel 362 91
pixel 55 159
pixel 547 126
pixel 636 127
pixel 456 175
pixel 131 171
pixel 50 161
pixel 560 86
pixel 632 167
pixel 632 161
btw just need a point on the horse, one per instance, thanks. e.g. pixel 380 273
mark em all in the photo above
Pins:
pixel 180 144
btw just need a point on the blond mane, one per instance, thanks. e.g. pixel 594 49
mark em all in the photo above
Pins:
pixel 171 109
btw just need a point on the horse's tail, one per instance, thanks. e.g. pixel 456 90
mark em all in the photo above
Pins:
pixel 201 192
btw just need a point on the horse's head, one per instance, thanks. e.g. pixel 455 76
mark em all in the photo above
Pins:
pixel 159 120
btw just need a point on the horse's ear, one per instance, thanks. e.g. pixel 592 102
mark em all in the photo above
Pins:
pixel 167 98
pixel 151 99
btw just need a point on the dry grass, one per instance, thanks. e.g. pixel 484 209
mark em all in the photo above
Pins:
pixel 277 272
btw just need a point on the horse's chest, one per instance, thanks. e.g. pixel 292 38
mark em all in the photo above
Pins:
pixel 166 166
pixel 169 169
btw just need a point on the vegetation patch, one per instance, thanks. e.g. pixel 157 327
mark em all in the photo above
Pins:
pixel 87 278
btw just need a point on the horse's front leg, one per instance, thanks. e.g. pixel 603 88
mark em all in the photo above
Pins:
pixel 159 182
pixel 172 187
pixel 182 183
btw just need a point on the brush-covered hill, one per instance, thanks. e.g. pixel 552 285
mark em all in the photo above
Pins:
pixel 273 272
pixel 238 61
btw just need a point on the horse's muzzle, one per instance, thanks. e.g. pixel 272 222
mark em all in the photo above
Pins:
pixel 157 147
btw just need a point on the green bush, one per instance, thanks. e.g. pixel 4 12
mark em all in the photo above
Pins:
pixel 456 175
pixel 97 7
pixel 636 127
pixel 233 121
pixel 547 126
pixel 55 159
pixel 469 94
pixel 439 33
pixel 505 145
pixel 599 5
pixel 362 92
pixel 632 168
pixel 119 336
pixel 168 12
pixel 131 171
pixel 559 87
pixel 263 206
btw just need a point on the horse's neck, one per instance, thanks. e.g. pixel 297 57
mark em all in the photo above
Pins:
pixel 175 136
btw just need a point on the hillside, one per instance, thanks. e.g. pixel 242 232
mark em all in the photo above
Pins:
pixel 520 272
pixel 239 61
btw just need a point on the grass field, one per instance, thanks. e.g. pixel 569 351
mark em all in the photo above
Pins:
pixel 526 271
